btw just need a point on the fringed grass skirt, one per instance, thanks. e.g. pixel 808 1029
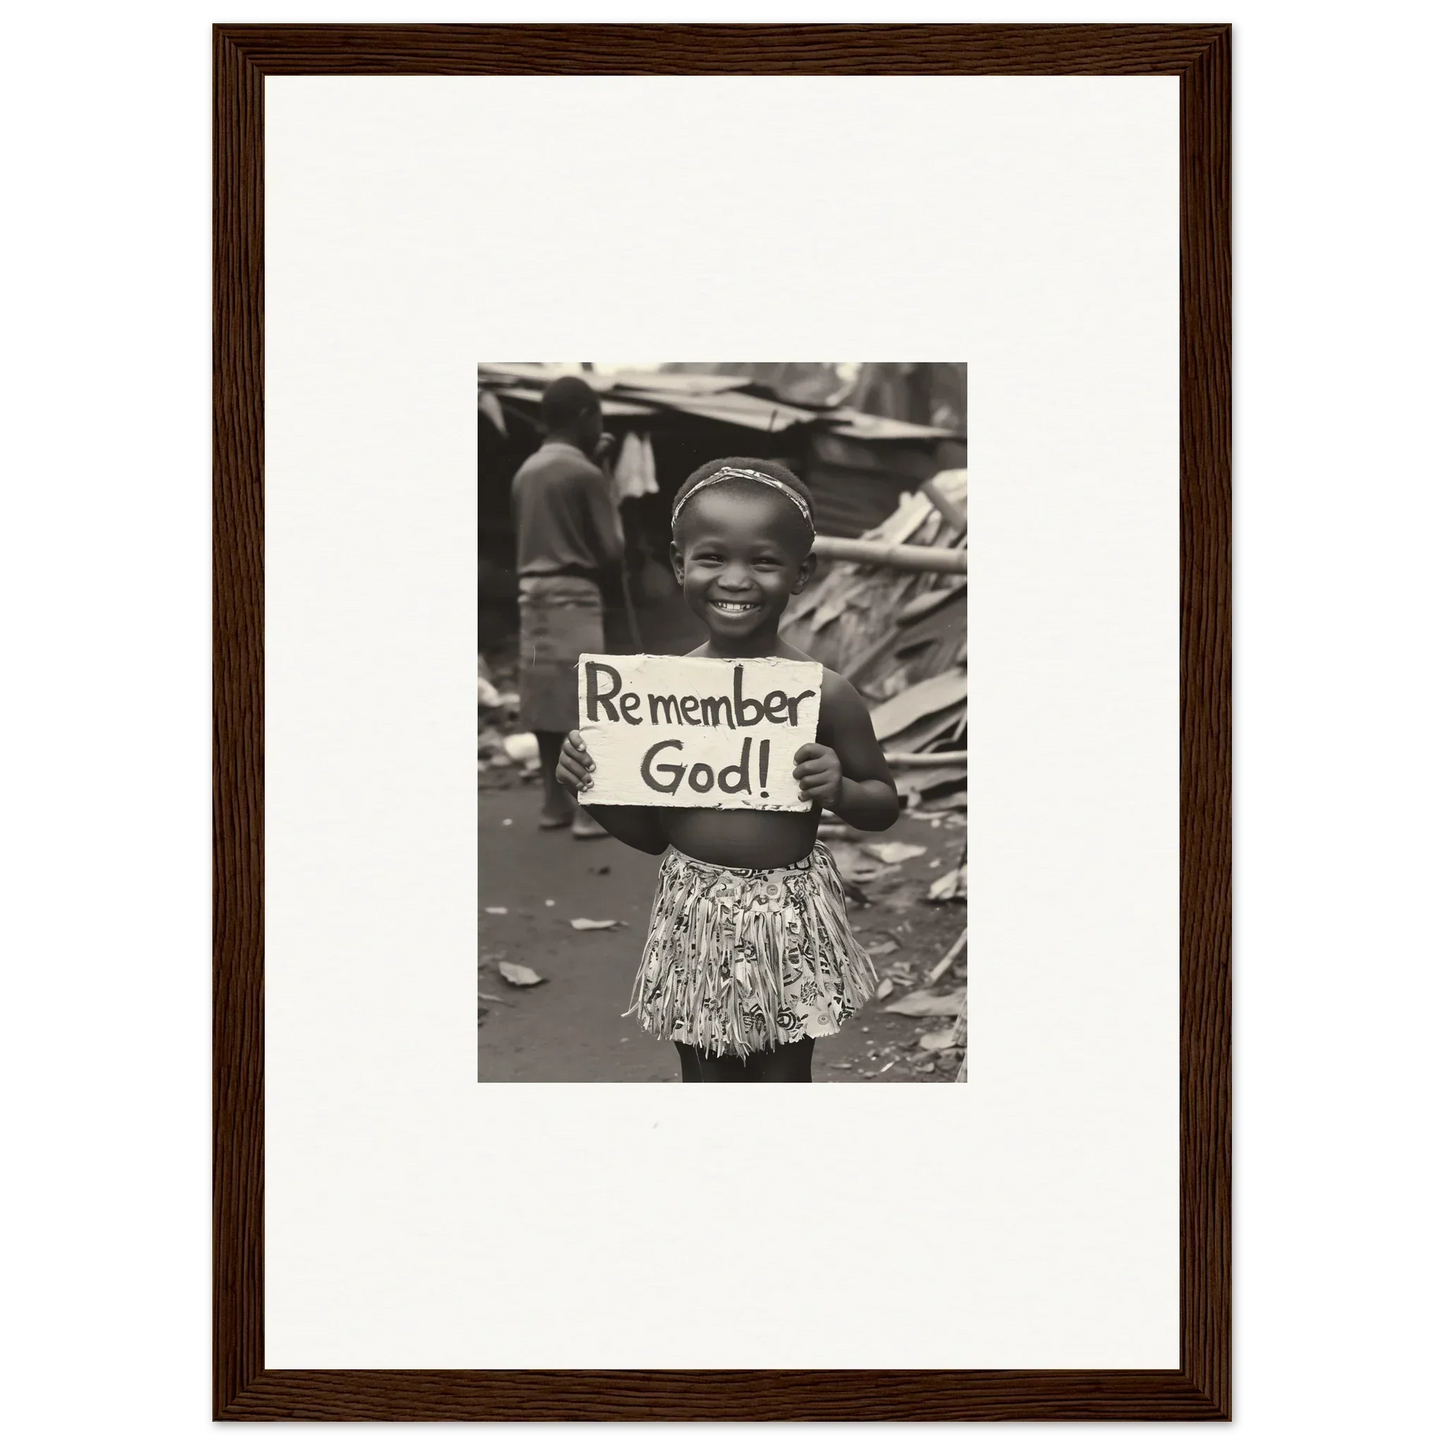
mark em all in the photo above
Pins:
pixel 740 960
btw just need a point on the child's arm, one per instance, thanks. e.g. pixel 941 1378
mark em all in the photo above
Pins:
pixel 637 827
pixel 850 777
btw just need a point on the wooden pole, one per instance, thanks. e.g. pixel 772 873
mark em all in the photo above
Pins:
pixel 901 556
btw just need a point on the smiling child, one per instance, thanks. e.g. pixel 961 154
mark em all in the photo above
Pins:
pixel 749 956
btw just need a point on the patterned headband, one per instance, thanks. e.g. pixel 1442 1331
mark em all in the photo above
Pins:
pixel 747 475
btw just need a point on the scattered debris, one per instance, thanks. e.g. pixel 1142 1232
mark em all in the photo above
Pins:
pixel 960 1039
pixel 521 747
pixel 887 1066
pixel 935 1043
pixel 926 603
pixel 506 822
pixel 931 782
pixel 949 886
pixel 493 704
pixel 837 621
pixel 942 732
pixel 882 950
pixel 883 989
pixel 928 1005
pixel 902 897
pixel 922 712
pixel 519 975
pixel 586 925
pixel 926 1068
pixel 894 852
pixel 942 966
pixel 496 998
pixel 855 865
pixel 499 909
pixel 605 868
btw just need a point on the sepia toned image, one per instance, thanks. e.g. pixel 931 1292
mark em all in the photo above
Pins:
pixel 722 694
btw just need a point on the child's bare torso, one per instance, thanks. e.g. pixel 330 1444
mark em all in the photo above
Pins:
pixel 740 837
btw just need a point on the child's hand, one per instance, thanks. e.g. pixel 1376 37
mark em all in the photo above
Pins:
pixel 575 767
pixel 819 774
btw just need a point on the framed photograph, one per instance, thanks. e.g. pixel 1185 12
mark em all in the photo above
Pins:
pixel 731 626
pixel 616 625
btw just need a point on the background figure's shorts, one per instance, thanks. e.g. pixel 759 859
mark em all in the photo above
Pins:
pixel 561 617
pixel 740 960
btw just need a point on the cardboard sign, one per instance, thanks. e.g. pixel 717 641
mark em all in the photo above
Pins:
pixel 697 732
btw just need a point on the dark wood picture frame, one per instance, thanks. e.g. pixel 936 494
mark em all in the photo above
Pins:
pixel 1200 56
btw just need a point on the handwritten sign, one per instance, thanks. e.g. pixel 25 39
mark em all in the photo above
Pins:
pixel 697 732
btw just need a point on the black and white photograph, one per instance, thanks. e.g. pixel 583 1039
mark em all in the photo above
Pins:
pixel 722 722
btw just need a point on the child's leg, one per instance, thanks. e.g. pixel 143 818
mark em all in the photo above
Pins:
pixel 719 1068
pixel 786 1064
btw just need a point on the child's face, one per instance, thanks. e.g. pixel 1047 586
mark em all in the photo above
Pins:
pixel 739 558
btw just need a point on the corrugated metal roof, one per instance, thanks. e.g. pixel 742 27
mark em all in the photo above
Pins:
pixel 735 408
pixel 611 406
pixel 670 383
pixel 682 382
pixel 847 422
pixel 732 400
pixel 494 373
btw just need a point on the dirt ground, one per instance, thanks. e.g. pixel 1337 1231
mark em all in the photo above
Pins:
pixel 570 1029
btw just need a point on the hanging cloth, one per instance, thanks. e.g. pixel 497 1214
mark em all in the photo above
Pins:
pixel 635 473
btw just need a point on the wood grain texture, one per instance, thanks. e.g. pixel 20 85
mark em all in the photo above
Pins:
pixel 238 773
pixel 1199 1390
pixel 722 49
pixel 1204 721
pixel 721 1395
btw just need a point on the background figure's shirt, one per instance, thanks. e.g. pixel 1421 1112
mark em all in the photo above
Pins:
pixel 567 520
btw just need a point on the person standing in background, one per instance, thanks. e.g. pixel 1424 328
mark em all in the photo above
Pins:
pixel 569 535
